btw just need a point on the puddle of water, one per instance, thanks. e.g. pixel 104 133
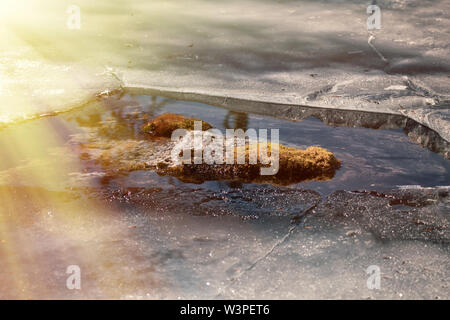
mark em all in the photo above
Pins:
pixel 371 159
pixel 86 143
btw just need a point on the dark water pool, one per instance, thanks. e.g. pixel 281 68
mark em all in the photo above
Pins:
pixel 372 159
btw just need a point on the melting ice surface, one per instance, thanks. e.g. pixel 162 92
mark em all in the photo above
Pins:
pixel 141 235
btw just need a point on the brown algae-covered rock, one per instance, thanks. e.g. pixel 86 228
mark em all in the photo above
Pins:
pixel 164 124
pixel 295 165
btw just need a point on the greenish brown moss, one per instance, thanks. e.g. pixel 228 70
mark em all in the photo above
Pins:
pixel 295 165
pixel 164 124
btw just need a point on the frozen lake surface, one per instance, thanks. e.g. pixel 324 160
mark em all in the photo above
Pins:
pixel 381 101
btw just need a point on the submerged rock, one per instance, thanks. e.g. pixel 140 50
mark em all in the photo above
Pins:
pixel 293 166
pixel 164 124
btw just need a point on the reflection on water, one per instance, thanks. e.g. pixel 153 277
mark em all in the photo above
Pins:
pixel 239 120
pixel 414 130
